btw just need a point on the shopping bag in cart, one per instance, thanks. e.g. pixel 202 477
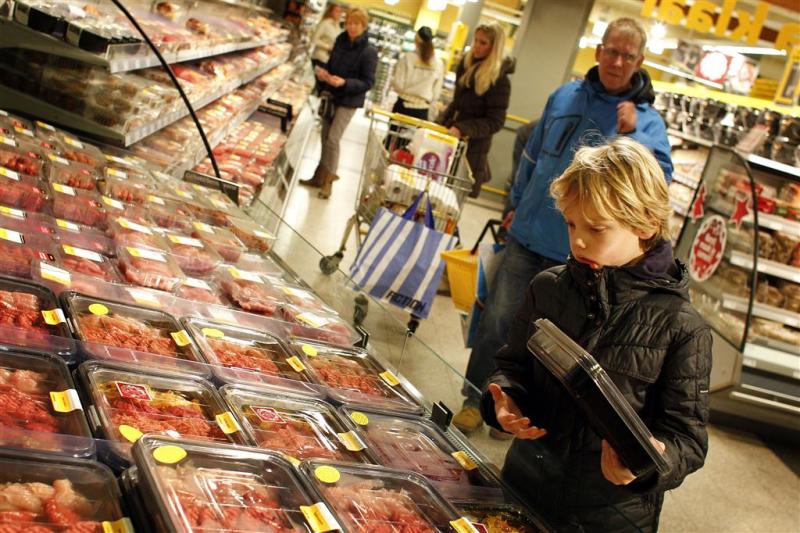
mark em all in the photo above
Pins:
pixel 488 261
pixel 400 261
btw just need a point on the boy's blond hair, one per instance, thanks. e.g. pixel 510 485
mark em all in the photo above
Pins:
pixel 623 182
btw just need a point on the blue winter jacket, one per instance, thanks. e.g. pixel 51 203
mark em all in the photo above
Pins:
pixel 577 114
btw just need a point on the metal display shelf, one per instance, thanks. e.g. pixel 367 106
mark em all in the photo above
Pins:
pixel 765 220
pixel 690 138
pixel 771 360
pixel 118 58
pixel 25 103
pixel 766 266
pixel 776 314
pixel 683 179
pixel 773 165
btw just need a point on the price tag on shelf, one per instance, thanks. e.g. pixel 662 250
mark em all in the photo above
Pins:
pixel 53 273
pixel 296 364
pixel 123 525
pixel 23 131
pixel 181 338
pixel 56 159
pixel 319 518
pixel 66 224
pixel 227 423
pixel 144 297
pixel 116 204
pixel 53 317
pixel 80 252
pixel 65 401
pixel 188 241
pixel 464 460
pixel 64 189
pixel 8 141
pixel 8 173
pixel 351 441
pixel 133 226
pixel 11 236
pixel 390 378
pixel 10 211
pixel 114 173
pixel 75 143
pixel 169 454
pixel 146 254
pixel 45 126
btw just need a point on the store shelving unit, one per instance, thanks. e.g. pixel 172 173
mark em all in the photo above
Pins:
pixel 757 332
pixel 118 58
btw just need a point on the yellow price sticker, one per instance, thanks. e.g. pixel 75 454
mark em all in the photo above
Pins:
pixel 319 518
pixel 327 474
pixel 12 236
pixel 23 131
pixel 7 172
pixel 61 223
pixel 52 273
pixel 8 141
pixel 116 173
pixel 98 309
pixel 389 378
pixel 64 189
pixel 116 204
pixel 309 350
pixel 73 142
pixel 10 211
pixel 130 433
pixel 202 226
pixel 464 460
pixel 296 364
pixel 65 401
pixel 123 525
pixel 53 316
pixel 310 319
pixel 214 333
pixel 169 454
pixel 181 338
pixel 351 441
pixel 156 200
pixel 227 423
pixel 359 418
pixel 45 126
pixel 463 525
pixel 294 460
pixel 55 159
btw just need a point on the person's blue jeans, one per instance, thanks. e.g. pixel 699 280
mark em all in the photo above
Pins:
pixel 518 266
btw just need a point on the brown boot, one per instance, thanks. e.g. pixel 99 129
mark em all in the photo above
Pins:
pixel 316 179
pixel 327 184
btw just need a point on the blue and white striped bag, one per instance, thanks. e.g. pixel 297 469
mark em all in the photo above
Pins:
pixel 400 261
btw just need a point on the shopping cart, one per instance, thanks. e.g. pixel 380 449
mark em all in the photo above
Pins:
pixel 391 177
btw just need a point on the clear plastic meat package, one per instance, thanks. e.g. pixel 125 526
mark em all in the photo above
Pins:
pixel 149 268
pixel 194 256
pixel 250 291
pixel 19 249
pixel 88 262
pixel 319 326
pixel 220 239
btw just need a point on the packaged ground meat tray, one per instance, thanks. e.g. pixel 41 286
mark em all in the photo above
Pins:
pixel 220 239
pixel 23 159
pixel 501 517
pixel 418 445
pixel 128 232
pixel 355 377
pixel 128 190
pixel 71 174
pixel 149 268
pixel 43 494
pixel 303 298
pixel 123 402
pixel 320 326
pixel 23 192
pixel 30 315
pixel 242 355
pixel 190 487
pixel 194 256
pixel 80 236
pixel 252 234
pixel 207 214
pixel 40 407
pixel 250 291
pixel 88 262
pixel 75 150
pixel 19 250
pixel 299 428
pixel 374 498
pixel 169 214
pixel 142 329
pixel 201 290
pixel 76 205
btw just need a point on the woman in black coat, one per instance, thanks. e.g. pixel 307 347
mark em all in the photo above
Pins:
pixel 344 82
pixel 479 105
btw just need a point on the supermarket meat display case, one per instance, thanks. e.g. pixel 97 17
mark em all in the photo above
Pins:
pixel 741 243
pixel 167 327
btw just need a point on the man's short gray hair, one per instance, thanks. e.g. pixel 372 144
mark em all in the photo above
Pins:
pixel 629 28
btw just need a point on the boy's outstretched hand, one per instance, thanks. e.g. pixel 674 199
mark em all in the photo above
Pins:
pixel 613 469
pixel 510 417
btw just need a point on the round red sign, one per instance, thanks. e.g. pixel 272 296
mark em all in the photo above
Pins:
pixel 707 248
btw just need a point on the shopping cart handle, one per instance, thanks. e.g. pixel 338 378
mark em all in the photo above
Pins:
pixel 411 121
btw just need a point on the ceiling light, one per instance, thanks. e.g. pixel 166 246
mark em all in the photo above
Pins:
pixel 599 27
pixel 754 50
pixel 437 5
pixel 658 31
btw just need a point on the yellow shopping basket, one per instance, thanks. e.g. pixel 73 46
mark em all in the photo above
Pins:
pixel 462 274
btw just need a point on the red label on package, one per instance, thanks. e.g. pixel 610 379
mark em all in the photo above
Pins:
pixel 267 414
pixel 708 248
pixel 133 391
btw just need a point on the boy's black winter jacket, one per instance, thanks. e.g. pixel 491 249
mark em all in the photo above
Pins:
pixel 639 324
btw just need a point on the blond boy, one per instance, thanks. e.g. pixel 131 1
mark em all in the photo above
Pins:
pixel 624 298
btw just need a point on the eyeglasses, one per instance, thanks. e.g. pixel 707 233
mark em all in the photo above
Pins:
pixel 613 54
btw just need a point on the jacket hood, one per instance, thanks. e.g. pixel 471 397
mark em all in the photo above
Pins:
pixel 658 271
pixel 641 91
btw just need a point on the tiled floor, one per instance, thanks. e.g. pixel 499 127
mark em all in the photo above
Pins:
pixel 743 487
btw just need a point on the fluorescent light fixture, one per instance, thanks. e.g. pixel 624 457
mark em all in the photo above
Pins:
pixel 437 5
pixel 658 31
pixel 589 42
pixel 458 2
pixel 676 72
pixel 753 50
pixel 599 27
pixel 391 2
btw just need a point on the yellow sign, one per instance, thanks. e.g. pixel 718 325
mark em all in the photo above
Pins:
pixel 130 433
pixel 327 474
pixel 309 350
pixel 169 454
pixel 227 423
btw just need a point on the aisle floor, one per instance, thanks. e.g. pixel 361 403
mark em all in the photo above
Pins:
pixel 744 486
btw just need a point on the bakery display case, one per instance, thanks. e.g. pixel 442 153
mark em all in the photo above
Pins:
pixel 741 244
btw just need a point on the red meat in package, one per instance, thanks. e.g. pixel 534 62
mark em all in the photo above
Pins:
pixel 21 191
pixel 76 205
pixel 44 508
pixel 148 268
pixel 18 251
pixel 250 292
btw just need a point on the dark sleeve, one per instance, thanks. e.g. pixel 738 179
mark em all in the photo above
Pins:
pixel 447 114
pixel 681 411
pixel 497 98
pixel 366 74
pixel 514 364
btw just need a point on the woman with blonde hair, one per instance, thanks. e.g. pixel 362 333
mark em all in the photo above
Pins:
pixel 325 35
pixel 479 105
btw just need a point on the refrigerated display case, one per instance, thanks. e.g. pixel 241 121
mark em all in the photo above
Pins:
pixel 741 248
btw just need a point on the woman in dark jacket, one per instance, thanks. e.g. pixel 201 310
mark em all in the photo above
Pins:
pixel 479 105
pixel 349 74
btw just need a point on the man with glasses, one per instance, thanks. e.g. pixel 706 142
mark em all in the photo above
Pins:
pixel 614 99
